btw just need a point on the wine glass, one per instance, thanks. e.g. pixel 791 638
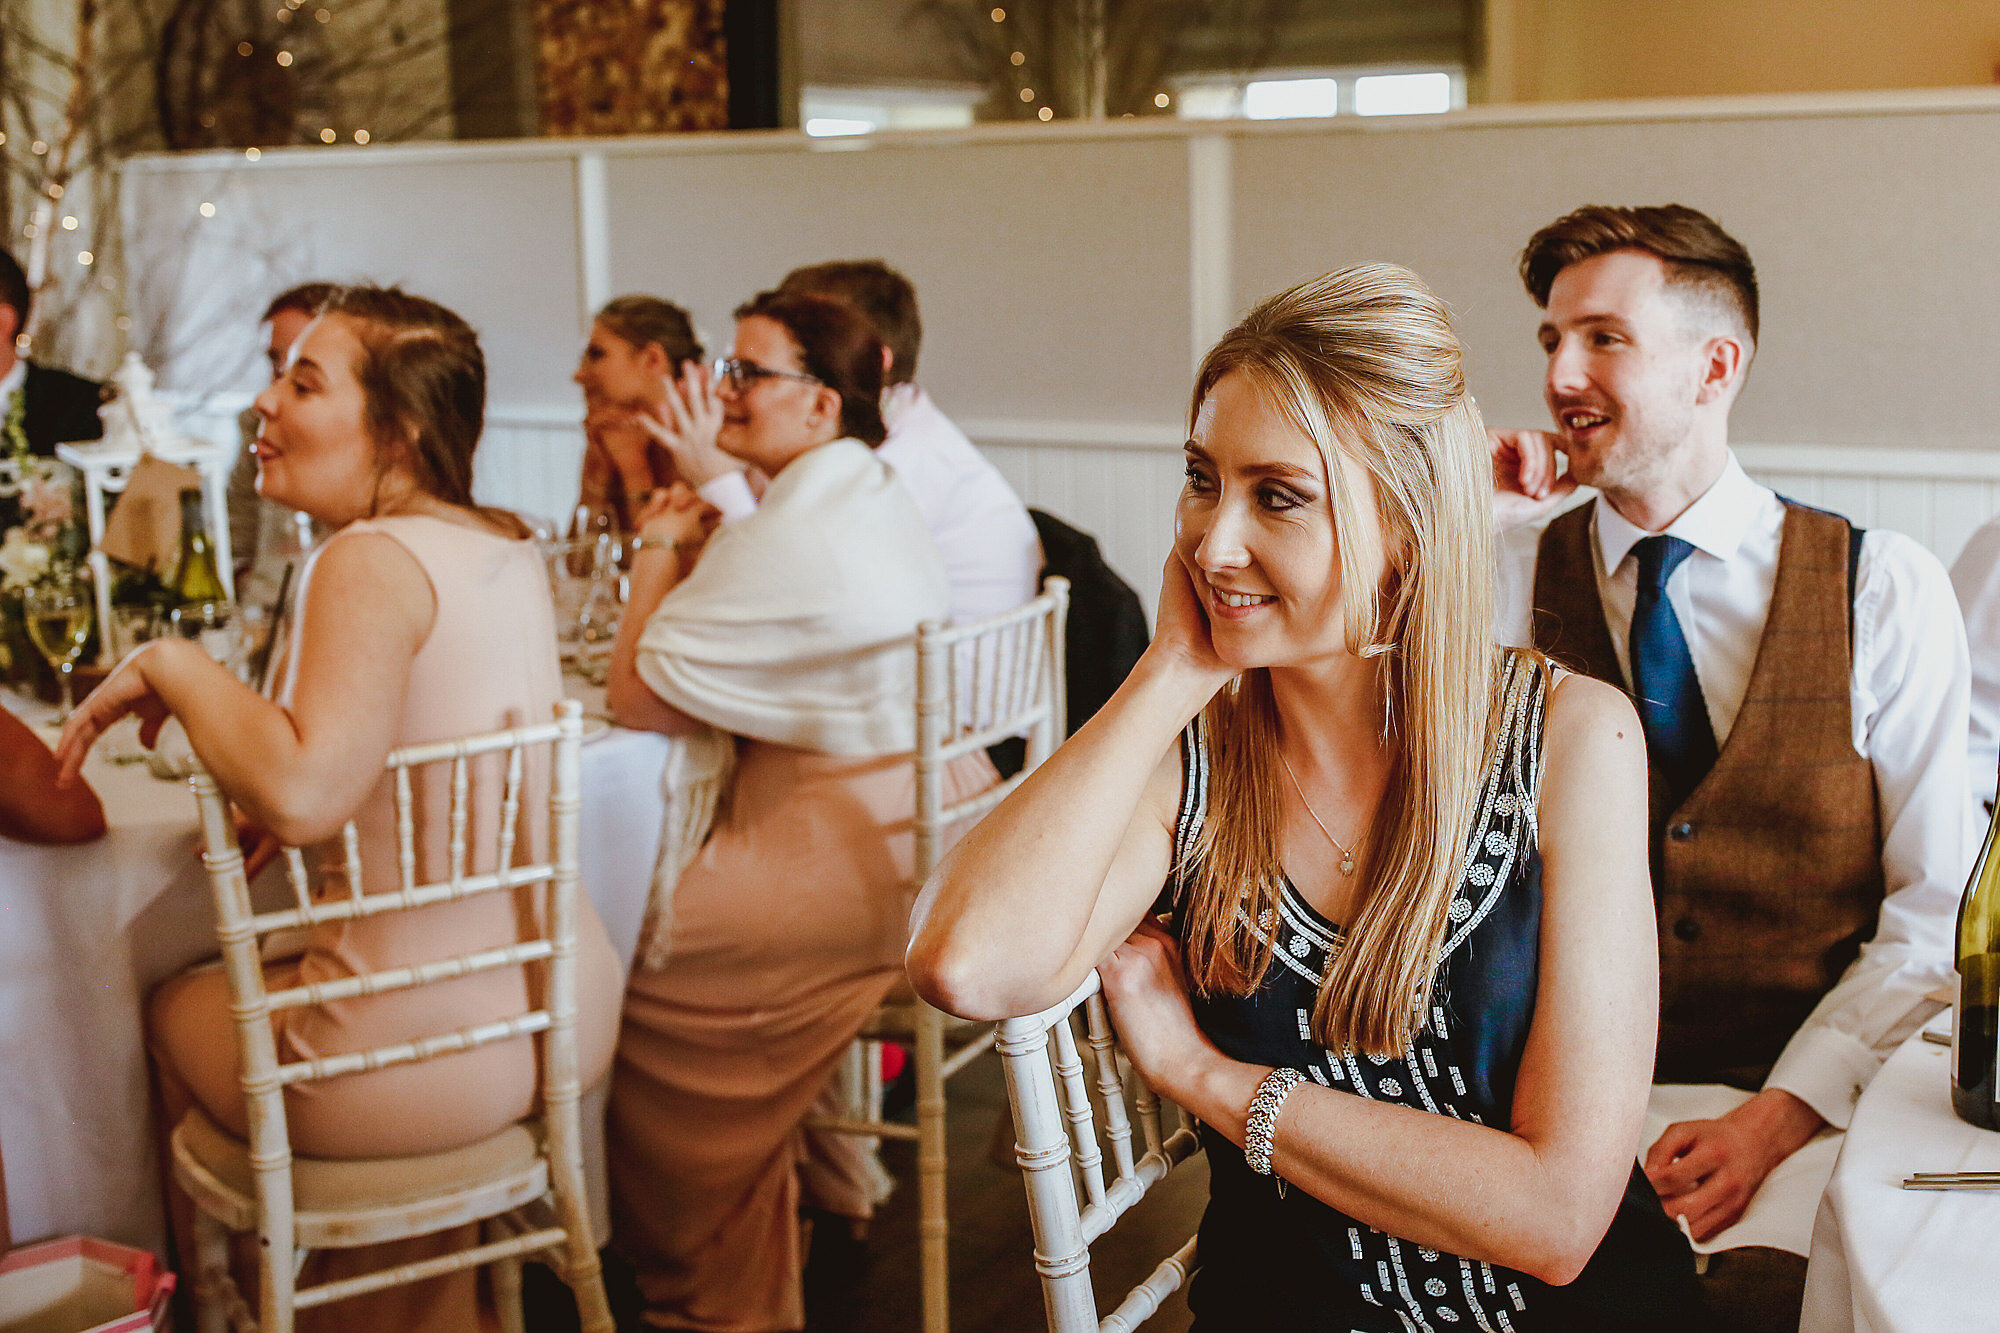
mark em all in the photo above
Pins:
pixel 59 612
pixel 572 565
pixel 597 619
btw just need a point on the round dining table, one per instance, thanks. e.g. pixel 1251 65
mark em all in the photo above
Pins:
pixel 87 930
pixel 1890 1260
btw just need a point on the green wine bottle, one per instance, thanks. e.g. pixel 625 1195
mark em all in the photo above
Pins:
pixel 1975 1033
pixel 197 582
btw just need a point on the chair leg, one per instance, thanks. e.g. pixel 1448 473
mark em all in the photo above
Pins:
pixel 506 1282
pixel 211 1263
pixel 585 1276
pixel 935 1255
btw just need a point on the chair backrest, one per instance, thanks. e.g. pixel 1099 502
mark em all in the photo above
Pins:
pixel 1107 625
pixel 979 684
pixel 547 936
pixel 1068 1119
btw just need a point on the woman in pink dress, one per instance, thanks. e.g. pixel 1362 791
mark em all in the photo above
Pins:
pixel 424 616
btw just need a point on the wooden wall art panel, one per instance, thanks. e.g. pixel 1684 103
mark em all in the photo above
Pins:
pixel 632 66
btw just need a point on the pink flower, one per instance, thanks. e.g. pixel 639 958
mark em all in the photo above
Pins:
pixel 45 503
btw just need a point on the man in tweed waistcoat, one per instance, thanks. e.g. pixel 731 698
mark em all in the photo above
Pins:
pixel 1803 688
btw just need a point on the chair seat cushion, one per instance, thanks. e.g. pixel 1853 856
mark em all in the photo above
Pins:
pixel 333 1185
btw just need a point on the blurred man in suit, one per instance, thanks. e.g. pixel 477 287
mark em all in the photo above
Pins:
pixel 44 406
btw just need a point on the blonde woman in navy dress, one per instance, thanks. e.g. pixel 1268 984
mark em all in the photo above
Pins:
pixel 1407 964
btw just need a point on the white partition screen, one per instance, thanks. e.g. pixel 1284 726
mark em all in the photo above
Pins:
pixel 1066 272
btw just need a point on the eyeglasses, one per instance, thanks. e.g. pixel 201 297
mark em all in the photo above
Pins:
pixel 741 375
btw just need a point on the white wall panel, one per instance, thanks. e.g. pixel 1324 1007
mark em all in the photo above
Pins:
pixel 1873 237
pixel 494 239
pixel 1053 276
pixel 1066 271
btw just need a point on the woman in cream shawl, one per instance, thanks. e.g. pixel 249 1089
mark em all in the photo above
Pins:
pixel 787 627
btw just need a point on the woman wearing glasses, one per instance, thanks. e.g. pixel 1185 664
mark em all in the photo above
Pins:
pixel 787 629
pixel 1408 967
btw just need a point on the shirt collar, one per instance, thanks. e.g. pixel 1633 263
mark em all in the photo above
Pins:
pixel 1715 523
pixel 13 379
pixel 898 401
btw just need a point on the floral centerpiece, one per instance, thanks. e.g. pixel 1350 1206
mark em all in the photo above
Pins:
pixel 39 537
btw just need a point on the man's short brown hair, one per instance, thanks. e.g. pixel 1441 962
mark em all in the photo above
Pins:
pixel 881 294
pixel 1701 258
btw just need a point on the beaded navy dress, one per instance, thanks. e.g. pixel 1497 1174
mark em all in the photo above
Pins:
pixel 1289 1261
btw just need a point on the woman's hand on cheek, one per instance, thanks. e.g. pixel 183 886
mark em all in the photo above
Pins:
pixel 1180 629
pixel 1147 993
pixel 688 427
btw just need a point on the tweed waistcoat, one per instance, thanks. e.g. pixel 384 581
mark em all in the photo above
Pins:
pixel 1767 878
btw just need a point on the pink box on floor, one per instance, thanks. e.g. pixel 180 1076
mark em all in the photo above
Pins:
pixel 82 1285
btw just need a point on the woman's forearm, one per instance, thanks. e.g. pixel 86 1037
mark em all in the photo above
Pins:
pixel 249 745
pixel 656 570
pixel 1077 851
pixel 1449 1184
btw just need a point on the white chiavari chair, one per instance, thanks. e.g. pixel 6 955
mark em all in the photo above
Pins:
pixel 977 684
pixel 524 1185
pixel 1067 1121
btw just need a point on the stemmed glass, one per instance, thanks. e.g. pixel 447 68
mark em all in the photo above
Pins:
pixel 597 619
pixel 59 612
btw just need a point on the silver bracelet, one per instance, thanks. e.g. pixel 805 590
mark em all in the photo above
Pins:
pixel 1262 1125
pixel 681 547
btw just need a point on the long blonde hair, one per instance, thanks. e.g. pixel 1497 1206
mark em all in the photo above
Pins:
pixel 1366 363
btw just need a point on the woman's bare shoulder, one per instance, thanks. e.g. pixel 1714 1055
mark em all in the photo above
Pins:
pixel 1591 743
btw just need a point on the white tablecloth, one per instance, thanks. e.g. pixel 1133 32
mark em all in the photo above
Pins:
pixel 1890 1260
pixel 86 931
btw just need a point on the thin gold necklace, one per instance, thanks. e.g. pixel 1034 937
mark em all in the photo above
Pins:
pixel 1346 857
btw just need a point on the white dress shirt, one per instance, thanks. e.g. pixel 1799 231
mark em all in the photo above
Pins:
pixel 991 552
pixel 1908 688
pixel 13 380
pixel 1975 577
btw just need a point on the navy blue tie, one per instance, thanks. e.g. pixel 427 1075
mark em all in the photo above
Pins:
pixel 1671 709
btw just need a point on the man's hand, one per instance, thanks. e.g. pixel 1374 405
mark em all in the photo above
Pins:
pixel 1708 1170
pixel 1526 486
